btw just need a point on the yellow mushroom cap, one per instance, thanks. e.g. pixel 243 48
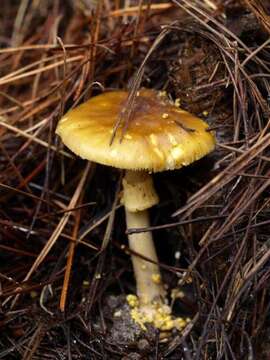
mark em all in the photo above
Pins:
pixel 160 136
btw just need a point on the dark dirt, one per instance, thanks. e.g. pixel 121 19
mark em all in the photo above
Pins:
pixel 214 243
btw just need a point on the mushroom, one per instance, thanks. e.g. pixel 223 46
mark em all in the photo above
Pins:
pixel 160 136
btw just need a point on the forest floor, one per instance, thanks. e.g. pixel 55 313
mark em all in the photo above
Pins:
pixel 65 268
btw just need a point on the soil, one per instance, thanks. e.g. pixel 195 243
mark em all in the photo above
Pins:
pixel 65 270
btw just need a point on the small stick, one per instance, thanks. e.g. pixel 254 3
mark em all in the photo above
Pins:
pixel 71 251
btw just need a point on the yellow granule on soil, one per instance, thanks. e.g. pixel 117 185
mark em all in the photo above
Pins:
pixel 157 314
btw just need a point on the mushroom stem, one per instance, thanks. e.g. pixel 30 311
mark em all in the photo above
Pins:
pixel 147 274
pixel 139 195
